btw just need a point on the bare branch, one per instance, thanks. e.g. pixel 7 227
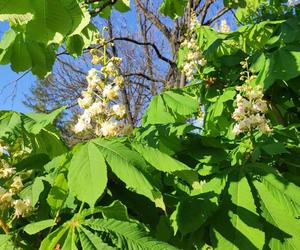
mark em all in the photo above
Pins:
pixel 159 55
pixel 154 19
pixel 207 4
pixel 144 76
pixel 218 15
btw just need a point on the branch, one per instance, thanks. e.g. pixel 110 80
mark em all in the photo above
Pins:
pixel 155 20
pixel 218 15
pixel 159 55
pixel 144 76
pixel 207 4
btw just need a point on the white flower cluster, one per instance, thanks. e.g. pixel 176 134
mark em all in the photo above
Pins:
pixel 21 207
pixel 193 58
pixel 100 115
pixel 224 27
pixel 250 111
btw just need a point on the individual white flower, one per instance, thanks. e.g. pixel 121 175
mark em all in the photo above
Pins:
pixel 236 129
pixel 22 207
pixel 202 62
pixel 119 110
pixel 91 74
pixel 224 27
pixel 109 128
pixel 265 128
pixel 93 81
pixel 5 199
pixel 80 126
pixel 5 170
pixel 254 94
pixel 85 102
pixel 83 122
pixel 111 92
pixel 260 106
pixel 96 108
pixel 17 184
pixel 96 60
pixel 119 80
pixel 110 67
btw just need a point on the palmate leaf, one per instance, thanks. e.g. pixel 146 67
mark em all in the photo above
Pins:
pixel 237 224
pixel 87 177
pixel 126 165
pixel 129 235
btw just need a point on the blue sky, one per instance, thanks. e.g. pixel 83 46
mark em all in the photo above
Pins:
pixel 12 93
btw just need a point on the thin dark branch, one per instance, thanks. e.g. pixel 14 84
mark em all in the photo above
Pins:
pixel 159 55
pixel 144 76
pixel 207 4
pixel 218 15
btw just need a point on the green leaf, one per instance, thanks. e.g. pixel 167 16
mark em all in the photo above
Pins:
pixel 48 142
pixel 90 241
pixel 237 225
pixel 284 64
pixel 281 229
pixel 192 214
pixel 181 103
pixel 36 227
pixel 75 45
pixel 87 175
pixel 117 210
pixel 167 164
pixel 37 188
pixel 20 50
pixel 53 238
pixel 70 242
pixel 15 11
pixel 130 235
pixel 173 8
pixel 123 163
pixel 35 122
pixel 274 149
pixel 69 19
pixel 42 57
pixel 122 5
pixel 59 190
pixel 284 192
pixel 157 112
pixel 5 242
